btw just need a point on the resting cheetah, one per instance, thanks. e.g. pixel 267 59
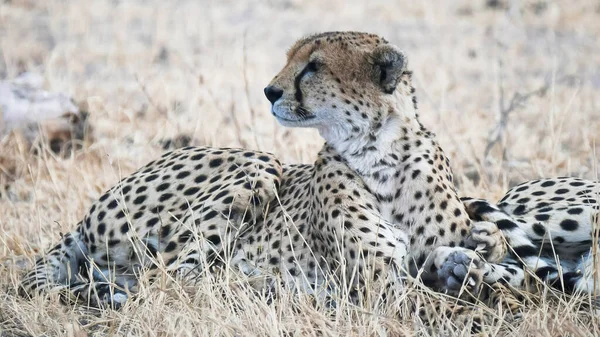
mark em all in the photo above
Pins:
pixel 379 199
pixel 551 227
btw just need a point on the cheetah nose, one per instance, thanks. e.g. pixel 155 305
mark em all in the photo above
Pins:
pixel 273 94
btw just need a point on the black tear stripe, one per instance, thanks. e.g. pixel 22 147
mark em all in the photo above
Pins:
pixel 298 93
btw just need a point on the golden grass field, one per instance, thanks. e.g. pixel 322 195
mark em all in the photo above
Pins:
pixel 153 70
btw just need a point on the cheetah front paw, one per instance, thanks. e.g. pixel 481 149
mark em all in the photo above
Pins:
pixel 461 271
pixel 486 239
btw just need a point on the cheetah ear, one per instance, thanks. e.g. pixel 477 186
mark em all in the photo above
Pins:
pixel 390 63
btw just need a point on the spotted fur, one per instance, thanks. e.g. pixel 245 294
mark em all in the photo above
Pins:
pixel 378 201
pixel 551 227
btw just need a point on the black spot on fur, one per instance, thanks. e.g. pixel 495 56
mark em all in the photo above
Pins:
pixel 542 217
pixel 524 251
pixel 575 211
pixel 548 183
pixel 569 225
pixel 505 224
pixel 215 162
pixel 539 229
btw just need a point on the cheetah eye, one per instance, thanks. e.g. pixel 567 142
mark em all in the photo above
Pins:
pixel 313 66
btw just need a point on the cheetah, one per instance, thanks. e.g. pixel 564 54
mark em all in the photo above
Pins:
pixel 379 199
pixel 551 227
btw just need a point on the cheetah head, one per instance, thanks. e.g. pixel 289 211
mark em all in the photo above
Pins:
pixel 345 84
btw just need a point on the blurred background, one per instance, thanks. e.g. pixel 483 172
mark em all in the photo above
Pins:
pixel 511 88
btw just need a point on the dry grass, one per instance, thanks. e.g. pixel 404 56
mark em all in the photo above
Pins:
pixel 155 69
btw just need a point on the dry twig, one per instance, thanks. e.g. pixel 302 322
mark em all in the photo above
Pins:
pixel 517 101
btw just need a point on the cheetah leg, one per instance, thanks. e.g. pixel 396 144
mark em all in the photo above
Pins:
pixel 59 267
pixel 457 269
pixel 516 237
pixel 526 256
pixel 205 241
pixel 583 277
pixel 462 272
pixel 211 239
pixel 59 271
pixel 366 246
pixel 486 239
pixel 191 265
pixel 225 209
pixel 513 273
pixel 504 283
pixel 519 243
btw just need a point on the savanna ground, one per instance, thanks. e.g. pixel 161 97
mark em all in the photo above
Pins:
pixel 512 89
